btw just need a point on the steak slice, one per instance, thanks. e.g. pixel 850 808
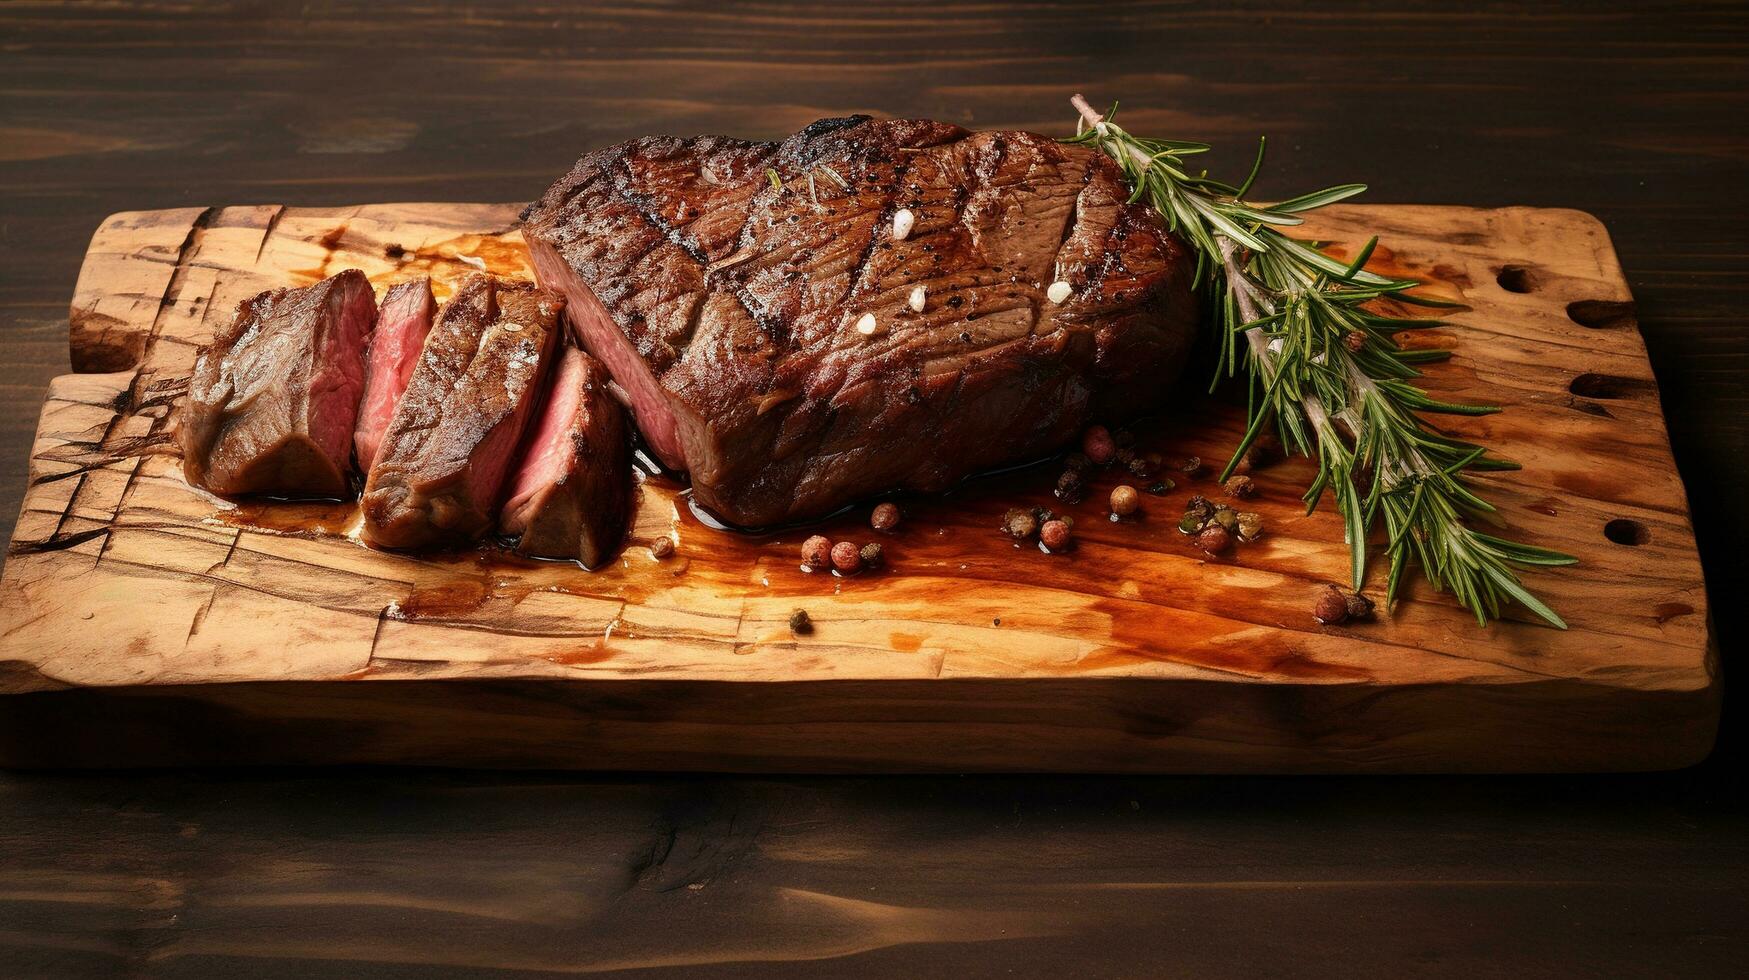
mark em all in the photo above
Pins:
pixel 272 399
pixel 402 323
pixel 726 307
pixel 572 490
pixel 440 471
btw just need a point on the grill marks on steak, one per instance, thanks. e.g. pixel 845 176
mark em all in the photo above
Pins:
pixel 572 491
pixel 658 227
pixel 273 398
pixel 286 397
pixel 402 323
pixel 735 348
pixel 441 468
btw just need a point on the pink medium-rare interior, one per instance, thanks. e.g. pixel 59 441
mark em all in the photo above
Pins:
pixel 594 328
pixel 337 382
pixel 402 325
pixel 547 453
pixel 489 464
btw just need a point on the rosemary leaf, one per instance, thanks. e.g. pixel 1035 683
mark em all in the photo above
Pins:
pixel 1326 371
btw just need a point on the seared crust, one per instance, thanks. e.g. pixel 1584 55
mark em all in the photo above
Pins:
pixel 441 467
pixel 583 513
pixel 738 299
pixel 271 401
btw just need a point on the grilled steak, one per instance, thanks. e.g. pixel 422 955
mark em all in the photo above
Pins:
pixel 440 471
pixel 764 335
pixel 272 399
pixel 402 323
pixel 572 490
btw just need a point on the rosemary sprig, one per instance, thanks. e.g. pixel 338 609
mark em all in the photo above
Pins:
pixel 1324 367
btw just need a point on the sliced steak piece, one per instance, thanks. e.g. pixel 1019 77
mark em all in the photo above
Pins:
pixel 440 472
pixel 572 490
pixel 402 323
pixel 272 399
pixel 726 308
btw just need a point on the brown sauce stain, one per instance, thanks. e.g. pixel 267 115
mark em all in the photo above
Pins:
pixel 447 262
pixel 950 537
pixel 451 600
pixel 905 642
pixel 293 518
pixel 946 540
pixel 949 542
pixel 945 544
pixel 453 259
pixel 595 653
pixel 1256 654
pixel 330 243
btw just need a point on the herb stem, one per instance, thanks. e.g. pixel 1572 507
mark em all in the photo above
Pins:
pixel 1326 369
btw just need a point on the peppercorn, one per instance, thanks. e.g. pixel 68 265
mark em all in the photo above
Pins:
pixel 1339 605
pixel 1124 438
pixel 662 548
pixel 846 557
pixel 1124 500
pixel 1077 461
pixel 1250 526
pixel 1070 486
pixel 1359 606
pixel 1213 539
pixel 1191 523
pixel 1123 457
pixel 1055 535
pixel 1190 465
pixel 1227 518
pixel 1097 443
pixel 871 554
pixel 817 552
pixel 1019 524
pixel 1043 514
pixel 1145 465
pixel 1331 607
pixel 799 623
pixel 885 517
pixel 1241 487
pixel 1355 341
pixel 1159 487
pixel 1200 506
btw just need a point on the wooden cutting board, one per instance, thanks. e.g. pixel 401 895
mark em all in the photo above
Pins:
pixel 143 623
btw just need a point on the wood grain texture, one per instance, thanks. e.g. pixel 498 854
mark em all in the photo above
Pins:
pixel 1627 109
pixel 1134 653
pixel 401 875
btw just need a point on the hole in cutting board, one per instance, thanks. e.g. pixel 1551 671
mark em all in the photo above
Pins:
pixel 1606 386
pixel 1625 531
pixel 1516 279
pixel 1601 314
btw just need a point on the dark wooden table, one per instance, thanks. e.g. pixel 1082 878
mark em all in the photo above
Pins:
pixel 1634 112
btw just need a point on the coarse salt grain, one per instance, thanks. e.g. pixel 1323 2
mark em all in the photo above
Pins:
pixel 919 297
pixel 903 221
pixel 1059 291
pixel 867 326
